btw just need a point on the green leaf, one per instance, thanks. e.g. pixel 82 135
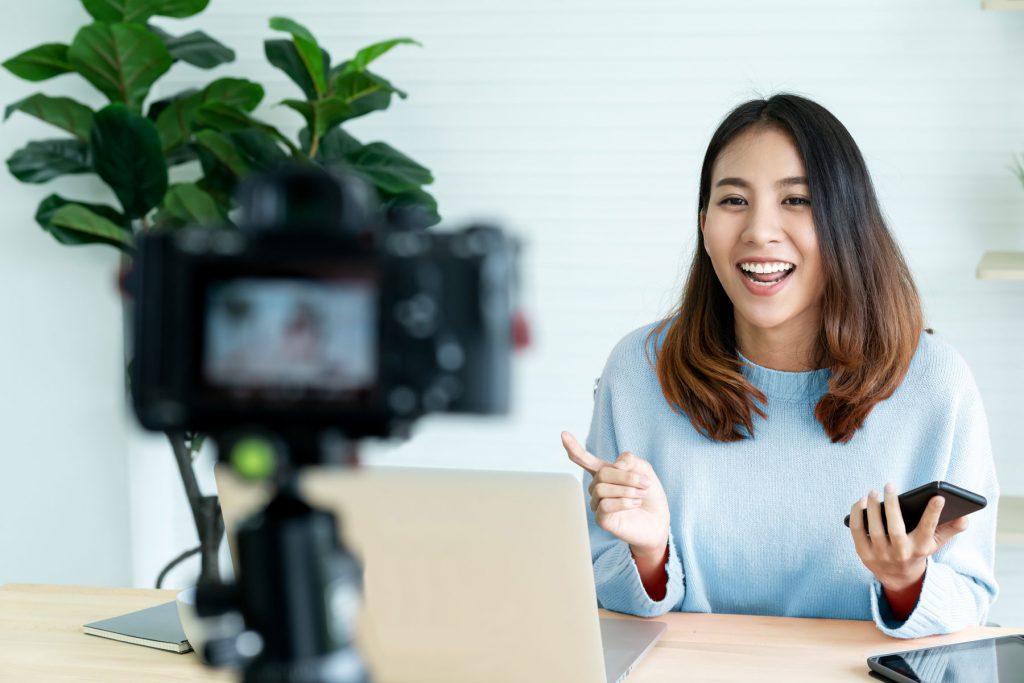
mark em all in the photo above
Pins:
pixel 196 48
pixel 128 155
pixel 335 145
pixel 139 11
pixel 62 112
pixel 180 155
pixel 283 55
pixel 121 60
pixel 78 218
pixel 259 149
pixel 331 111
pixel 372 52
pixel 41 62
pixel 222 117
pixel 416 200
pixel 176 116
pixel 224 151
pixel 304 108
pixel 309 51
pixel 50 205
pixel 41 160
pixel 234 92
pixel 175 122
pixel 188 203
pixel 179 9
pixel 364 91
pixel 158 107
pixel 321 115
pixel 217 180
pixel 390 170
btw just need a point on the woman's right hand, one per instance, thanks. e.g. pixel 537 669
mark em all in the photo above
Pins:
pixel 627 499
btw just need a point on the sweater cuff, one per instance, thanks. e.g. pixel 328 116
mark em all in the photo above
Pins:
pixel 621 590
pixel 931 615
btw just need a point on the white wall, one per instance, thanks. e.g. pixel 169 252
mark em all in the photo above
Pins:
pixel 581 125
pixel 64 501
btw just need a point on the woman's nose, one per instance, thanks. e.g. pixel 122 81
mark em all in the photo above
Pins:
pixel 764 225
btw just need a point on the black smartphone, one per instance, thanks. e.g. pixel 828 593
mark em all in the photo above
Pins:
pixel 959 502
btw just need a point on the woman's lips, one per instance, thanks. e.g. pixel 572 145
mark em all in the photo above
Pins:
pixel 765 289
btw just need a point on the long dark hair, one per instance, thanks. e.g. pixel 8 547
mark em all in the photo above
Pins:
pixel 871 312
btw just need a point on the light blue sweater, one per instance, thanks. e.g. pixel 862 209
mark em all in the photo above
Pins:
pixel 757 525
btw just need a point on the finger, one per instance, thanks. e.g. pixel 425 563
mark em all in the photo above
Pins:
pixel 860 537
pixel 610 505
pixel 960 524
pixel 615 491
pixel 620 477
pixel 876 530
pixel 893 514
pixel 634 463
pixel 579 455
pixel 925 530
pixel 950 529
pixel 627 461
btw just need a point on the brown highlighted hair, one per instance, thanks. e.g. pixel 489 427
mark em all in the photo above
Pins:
pixel 871 311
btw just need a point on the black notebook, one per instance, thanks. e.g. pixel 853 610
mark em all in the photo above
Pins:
pixel 157 627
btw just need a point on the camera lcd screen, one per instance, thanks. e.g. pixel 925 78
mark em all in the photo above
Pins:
pixel 290 338
pixel 993 659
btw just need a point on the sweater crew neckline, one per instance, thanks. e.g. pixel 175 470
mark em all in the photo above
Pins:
pixel 794 387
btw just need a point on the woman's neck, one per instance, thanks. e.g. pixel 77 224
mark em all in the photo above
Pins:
pixel 790 350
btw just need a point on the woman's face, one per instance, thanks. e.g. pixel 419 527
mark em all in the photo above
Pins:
pixel 759 232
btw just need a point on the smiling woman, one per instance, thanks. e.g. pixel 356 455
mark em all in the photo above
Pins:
pixel 849 303
pixel 758 231
pixel 729 440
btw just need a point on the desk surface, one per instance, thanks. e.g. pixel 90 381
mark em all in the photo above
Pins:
pixel 41 639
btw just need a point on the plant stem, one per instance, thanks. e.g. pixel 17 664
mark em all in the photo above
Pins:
pixel 314 147
pixel 205 509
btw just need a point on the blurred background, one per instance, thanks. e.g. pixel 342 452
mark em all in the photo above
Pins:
pixel 578 125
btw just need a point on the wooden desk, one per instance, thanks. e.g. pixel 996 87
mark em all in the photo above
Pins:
pixel 41 639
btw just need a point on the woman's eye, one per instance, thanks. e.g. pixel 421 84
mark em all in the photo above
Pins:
pixel 733 201
pixel 798 201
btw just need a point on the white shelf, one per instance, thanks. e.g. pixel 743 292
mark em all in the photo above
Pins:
pixel 1002 4
pixel 1010 525
pixel 1002 265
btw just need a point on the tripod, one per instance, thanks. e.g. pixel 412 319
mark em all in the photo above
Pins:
pixel 297 590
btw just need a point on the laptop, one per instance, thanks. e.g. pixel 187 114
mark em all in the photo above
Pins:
pixel 468 575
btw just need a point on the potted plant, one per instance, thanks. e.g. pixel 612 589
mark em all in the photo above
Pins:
pixel 131 143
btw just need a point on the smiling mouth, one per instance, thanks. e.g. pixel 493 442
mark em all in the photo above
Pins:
pixel 766 274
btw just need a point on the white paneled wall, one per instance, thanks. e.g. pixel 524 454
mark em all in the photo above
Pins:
pixel 64 479
pixel 581 126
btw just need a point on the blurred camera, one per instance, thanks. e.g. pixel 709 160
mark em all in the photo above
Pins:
pixel 319 312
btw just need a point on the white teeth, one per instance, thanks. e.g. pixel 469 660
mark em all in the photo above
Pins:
pixel 766 267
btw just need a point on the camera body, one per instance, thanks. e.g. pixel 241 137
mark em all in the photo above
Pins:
pixel 319 314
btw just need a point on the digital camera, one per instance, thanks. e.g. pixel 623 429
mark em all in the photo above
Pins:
pixel 319 312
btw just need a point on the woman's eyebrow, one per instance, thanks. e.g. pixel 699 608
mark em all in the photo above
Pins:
pixel 792 180
pixel 785 182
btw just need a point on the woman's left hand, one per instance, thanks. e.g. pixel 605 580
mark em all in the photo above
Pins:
pixel 898 559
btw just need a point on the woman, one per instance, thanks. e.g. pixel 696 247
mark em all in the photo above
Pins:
pixel 729 440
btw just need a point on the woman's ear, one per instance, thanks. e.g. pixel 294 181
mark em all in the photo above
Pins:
pixel 701 217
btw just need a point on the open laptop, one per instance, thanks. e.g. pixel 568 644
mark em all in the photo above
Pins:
pixel 469 575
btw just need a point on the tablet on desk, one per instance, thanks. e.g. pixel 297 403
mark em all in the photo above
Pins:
pixel 992 660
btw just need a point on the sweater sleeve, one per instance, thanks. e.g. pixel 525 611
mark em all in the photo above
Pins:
pixel 616 577
pixel 959 583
